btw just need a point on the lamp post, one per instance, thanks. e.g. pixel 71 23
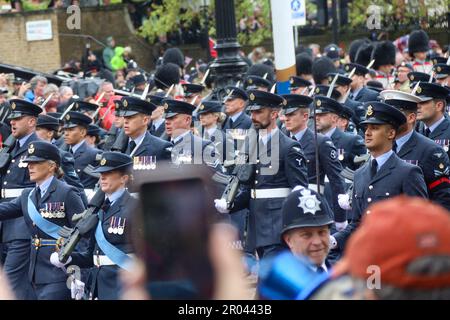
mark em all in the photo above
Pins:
pixel 228 67
pixel 204 8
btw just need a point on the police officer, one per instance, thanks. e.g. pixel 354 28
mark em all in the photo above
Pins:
pixel 46 129
pixel 307 220
pixel 75 130
pixel 141 143
pixel 417 149
pixel 109 249
pixel 45 208
pixel 385 175
pixel 431 112
pixel 348 145
pixel 187 147
pixel 297 113
pixel 280 166
pixel 15 178
pixel 359 91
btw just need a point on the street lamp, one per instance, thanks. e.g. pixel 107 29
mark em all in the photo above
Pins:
pixel 229 67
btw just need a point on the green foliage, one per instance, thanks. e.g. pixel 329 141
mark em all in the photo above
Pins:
pixel 400 13
pixel 172 14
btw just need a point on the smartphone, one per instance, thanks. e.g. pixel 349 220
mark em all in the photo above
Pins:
pixel 175 216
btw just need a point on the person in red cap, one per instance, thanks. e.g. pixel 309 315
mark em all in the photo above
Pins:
pixel 385 261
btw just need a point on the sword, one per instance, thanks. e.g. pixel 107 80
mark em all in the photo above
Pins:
pixel 100 97
pixel 170 90
pixel 330 89
pixel 46 101
pixel 67 111
pixel 204 77
pixel 370 64
pixel 144 94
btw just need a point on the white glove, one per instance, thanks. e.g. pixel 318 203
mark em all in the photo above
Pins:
pixel 54 260
pixel 343 200
pixel 333 242
pixel 341 225
pixel 77 289
pixel 221 205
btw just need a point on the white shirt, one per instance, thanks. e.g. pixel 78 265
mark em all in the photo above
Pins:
pixel 401 141
pixel 265 138
pixel 158 122
pixel 235 116
pixel 24 139
pixel 138 140
pixel 175 140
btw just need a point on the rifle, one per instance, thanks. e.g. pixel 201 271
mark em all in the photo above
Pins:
pixel 87 220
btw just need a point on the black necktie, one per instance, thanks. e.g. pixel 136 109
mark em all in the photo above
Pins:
pixel 38 196
pixel 132 146
pixel 373 168
pixel 294 138
pixel 16 147
pixel 320 270
pixel 71 150
pixel 394 147
pixel 106 205
pixel 153 129
pixel 427 132
pixel 231 123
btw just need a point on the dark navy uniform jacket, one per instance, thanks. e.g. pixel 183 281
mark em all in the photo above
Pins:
pixel 441 134
pixel 16 177
pixel 395 177
pixel 105 278
pixel 223 143
pixel 353 145
pixel 366 94
pixel 358 109
pixel 151 146
pixel 242 122
pixel 159 131
pixel 288 166
pixel 41 270
pixel 200 150
pixel 70 175
pixel 86 155
pixel 435 165
pixel 329 165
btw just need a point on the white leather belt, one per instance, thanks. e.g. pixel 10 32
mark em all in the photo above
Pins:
pixel 105 261
pixel 89 193
pixel 313 187
pixel 11 193
pixel 270 193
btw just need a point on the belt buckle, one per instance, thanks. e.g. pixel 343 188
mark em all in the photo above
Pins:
pixel 37 243
pixel 59 244
pixel 3 193
pixel 254 193
pixel 98 261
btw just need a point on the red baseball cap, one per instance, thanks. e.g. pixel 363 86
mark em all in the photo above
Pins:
pixel 397 234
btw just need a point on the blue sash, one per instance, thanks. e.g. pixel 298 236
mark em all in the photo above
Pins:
pixel 48 227
pixel 116 255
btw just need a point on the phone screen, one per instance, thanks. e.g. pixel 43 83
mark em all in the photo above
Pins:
pixel 176 219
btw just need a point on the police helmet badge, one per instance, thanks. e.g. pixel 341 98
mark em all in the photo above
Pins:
pixel 103 162
pixel 419 90
pixel 13 105
pixel 125 103
pixel 31 148
pixel 309 202
pixel 318 103
pixel 369 111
